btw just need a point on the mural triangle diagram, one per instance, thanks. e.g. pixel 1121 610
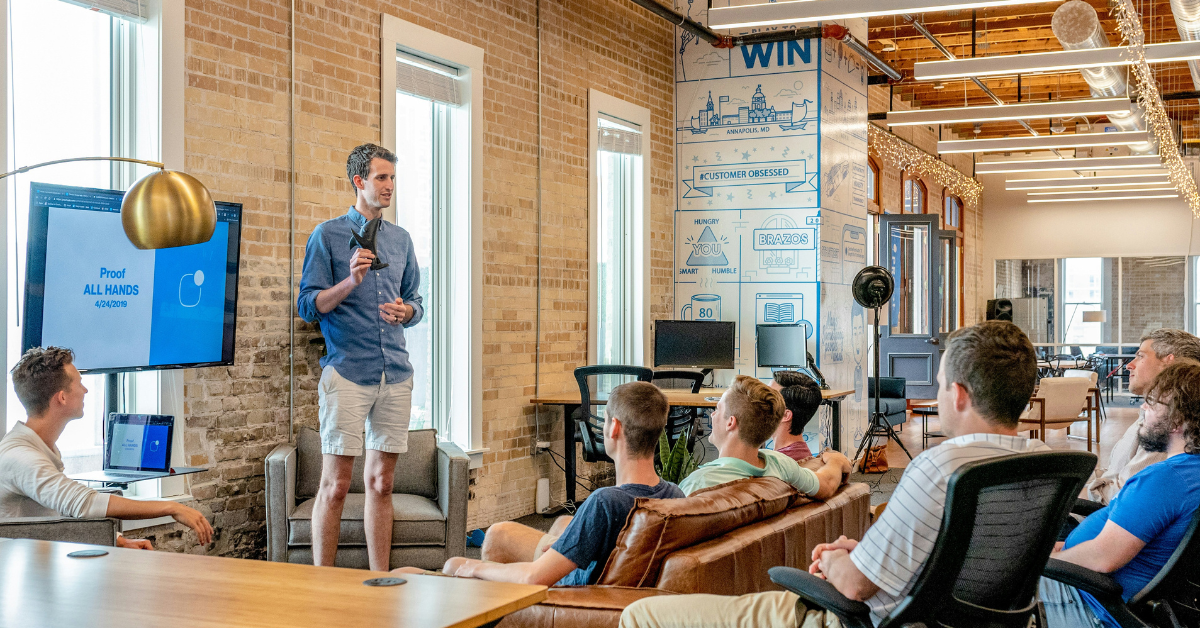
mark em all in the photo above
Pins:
pixel 707 251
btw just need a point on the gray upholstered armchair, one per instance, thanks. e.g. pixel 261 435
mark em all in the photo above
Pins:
pixel 99 531
pixel 429 496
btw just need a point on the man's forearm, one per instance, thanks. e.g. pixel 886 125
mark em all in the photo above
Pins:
pixel 330 298
pixel 1091 555
pixel 830 476
pixel 123 508
pixel 520 573
pixel 844 575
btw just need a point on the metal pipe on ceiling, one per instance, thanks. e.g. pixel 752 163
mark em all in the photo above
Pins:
pixel 1187 20
pixel 717 40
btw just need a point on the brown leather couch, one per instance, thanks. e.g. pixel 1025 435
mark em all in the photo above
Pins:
pixel 720 540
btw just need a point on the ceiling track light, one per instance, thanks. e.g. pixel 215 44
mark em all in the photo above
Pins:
pixel 1086 164
pixel 1043 142
pixel 776 13
pixel 1022 111
pixel 1058 61
pixel 1087 182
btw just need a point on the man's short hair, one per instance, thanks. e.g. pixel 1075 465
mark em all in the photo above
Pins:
pixel 1174 342
pixel 642 409
pixel 994 361
pixel 39 375
pixel 801 395
pixel 1178 388
pixel 758 408
pixel 359 161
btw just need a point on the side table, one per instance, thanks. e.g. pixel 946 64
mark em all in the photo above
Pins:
pixel 926 412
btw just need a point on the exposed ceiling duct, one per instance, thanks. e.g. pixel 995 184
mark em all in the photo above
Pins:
pixel 1187 20
pixel 1077 27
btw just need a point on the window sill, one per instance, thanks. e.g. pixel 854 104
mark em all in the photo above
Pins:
pixel 476 456
pixel 138 524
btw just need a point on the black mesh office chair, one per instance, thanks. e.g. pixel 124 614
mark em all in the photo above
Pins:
pixel 1170 600
pixel 590 424
pixel 681 420
pixel 1001 521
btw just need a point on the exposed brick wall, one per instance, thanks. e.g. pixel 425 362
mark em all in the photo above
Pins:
pixel 1153 291
pixel 237 143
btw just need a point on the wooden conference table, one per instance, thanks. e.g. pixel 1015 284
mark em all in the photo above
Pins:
pixel 134 588
pixel 706 398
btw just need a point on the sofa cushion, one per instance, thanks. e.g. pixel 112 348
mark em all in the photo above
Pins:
pixel 418 521
pixel 888 406
pixel 658 527
pixel 416 469
pixel 579 607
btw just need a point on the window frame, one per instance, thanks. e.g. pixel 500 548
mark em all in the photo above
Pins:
pixel 905 178
pixel 873 173
pixel 162 84
pixel 947 198
pixel 601 103
pixel 462 347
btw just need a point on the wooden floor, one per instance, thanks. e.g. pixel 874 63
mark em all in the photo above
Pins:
pixel 1119 415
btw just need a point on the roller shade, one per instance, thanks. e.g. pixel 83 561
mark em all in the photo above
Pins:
pixel 618 136
pixel 427 79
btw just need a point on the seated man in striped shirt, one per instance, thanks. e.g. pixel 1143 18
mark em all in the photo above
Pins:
pixel 985 381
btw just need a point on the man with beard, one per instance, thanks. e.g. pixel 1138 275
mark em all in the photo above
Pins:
pixel 1157 350
pixel 1134 536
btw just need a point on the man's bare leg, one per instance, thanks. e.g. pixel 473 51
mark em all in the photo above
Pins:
pixel 378 474
pixel 511 542
pixel 327 511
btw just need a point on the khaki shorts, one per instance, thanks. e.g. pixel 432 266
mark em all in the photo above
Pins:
pixel 348 409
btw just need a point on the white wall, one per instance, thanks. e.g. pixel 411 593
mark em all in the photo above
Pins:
pixel 1015 229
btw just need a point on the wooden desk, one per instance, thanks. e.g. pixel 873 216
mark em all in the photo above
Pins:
pixel 706 398
pixel 135 588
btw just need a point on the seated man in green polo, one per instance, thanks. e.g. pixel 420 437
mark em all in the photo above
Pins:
pixel 746 416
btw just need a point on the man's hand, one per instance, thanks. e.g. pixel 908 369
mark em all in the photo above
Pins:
pixel 360 263
pixel 141 544
pixel 396 312
pixel 831 456
pixel 192 518
pixel 841 544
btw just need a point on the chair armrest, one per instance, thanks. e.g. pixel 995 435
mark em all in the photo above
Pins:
pixel 281 498
pixel 1085 507
pixel 817 592
pixel 453 492
pixel 95 531
pixel 1098 584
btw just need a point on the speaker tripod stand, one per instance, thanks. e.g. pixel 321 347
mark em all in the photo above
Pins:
pixel 879 425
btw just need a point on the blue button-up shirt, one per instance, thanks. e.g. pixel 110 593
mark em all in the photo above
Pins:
pixel 360 345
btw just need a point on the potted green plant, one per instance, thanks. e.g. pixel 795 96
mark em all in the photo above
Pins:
pixel 675 463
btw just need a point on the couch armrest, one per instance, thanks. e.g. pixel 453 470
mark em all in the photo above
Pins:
pixel 1101 586
pixel 97 531
pixel 453 492
pixel 821 594
pixel 281 499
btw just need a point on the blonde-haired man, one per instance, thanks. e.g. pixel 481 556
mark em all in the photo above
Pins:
pixel 746 416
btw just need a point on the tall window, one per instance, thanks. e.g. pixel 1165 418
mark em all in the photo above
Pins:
pixel 873 182
pixel 426 97
pixel 93 106
pixel 619 200
pixel 1083 286
pixel 952 212
pixel 914 196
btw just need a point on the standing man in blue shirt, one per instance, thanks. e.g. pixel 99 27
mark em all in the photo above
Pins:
pixel 363 300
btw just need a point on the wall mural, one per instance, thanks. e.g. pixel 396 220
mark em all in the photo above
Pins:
pixel 770 225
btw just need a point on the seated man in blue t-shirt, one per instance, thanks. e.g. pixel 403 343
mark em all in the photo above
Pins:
pixel 1133 537
pixel 635 416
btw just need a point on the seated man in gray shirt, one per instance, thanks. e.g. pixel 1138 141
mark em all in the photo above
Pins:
pixel 635 416
pixel 32 482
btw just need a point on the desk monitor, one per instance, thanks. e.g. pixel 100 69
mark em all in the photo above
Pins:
pixel 782 345
pixel 694 344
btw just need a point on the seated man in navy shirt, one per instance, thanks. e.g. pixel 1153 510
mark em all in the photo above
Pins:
pixel 635 416
pixel 1134 535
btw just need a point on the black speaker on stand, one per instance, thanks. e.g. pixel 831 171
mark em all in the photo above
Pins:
pixel 872 288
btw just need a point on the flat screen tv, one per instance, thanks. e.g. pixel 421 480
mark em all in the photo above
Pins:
pixel 120 308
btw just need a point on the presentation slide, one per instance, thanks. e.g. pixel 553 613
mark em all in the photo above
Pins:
pixel 118 306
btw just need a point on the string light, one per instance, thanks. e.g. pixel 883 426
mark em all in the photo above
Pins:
pixel 901 155
pixel 1129 25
